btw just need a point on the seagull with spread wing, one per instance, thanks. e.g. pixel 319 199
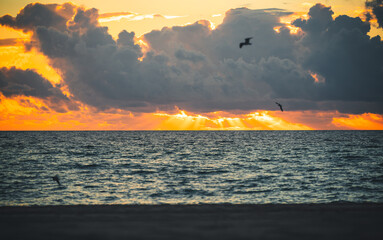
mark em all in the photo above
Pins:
pixel 246 42
pixel 280 106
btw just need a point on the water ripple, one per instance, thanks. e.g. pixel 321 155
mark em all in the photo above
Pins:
pixel 191 167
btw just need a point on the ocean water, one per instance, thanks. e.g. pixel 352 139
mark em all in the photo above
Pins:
pixel 191 167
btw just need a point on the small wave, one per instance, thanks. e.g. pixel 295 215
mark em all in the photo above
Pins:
pixel 151 151
pixel 213 154
pixel 124 165
pixel 144 172
pixel 137 156
pixel 287 189
pixel 208 172
pixel 89 146
pixel 350 145
pixel 191 191
pixel 300 149
pixel 87 166
pixel 224 141
pixel 375 140
pixel 183 155
pixel 91 186
pixel 111 198
pixel 372 146
pixel 183 171
pixel 353 157
pixel 48 152
pixel 313 169
pixel 244 192
pixel 361 188
pixel 264 159
pixel 157 195
pixel 87 154
pixel 377 179
pixel 333 151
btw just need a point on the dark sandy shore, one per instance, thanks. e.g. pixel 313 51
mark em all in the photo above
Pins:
pixel 312 221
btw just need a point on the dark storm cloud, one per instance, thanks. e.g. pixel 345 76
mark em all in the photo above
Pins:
pixel 342 52
pixel 17 82
pixel 200 69
pixel 26 83
pixel 377 9
pixel 36 14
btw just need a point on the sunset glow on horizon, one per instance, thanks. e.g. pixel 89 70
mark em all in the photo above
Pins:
pixel 27 114
pixel 135 69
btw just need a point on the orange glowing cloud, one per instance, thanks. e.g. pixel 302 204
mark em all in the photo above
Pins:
pixel 317 78
pixel 144 46
pixel 109 17
pixel 286 21
pixel 28 113
pixel 366 121
pixel 15 55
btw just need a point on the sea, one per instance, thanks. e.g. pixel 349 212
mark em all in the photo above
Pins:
pixel 190 167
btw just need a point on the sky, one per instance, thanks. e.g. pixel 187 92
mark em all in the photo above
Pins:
pixel 171 65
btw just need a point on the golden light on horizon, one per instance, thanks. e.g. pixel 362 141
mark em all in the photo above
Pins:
pixel 366 121
pixel 29 113
pixel 259 120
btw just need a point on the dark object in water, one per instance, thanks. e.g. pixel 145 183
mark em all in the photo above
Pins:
pixel 57 179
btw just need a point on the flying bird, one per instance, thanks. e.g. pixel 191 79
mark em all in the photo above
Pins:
pixel 246 42
pixel 280 106
pixel 56 178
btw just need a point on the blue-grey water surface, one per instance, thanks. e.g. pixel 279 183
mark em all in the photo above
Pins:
pixel 155 167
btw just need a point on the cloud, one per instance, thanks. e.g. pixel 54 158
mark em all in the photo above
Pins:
pixel 28 83
pixel 114 14
pixel 9 41
pixel 341 51
pixel 192 56
pixel 202 69
pixel 37 14
pixel 377 9
pixel 117 16
pixel 366 121
pixel 17 82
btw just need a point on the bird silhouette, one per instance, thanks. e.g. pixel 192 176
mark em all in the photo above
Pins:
pixel 280 106
pixel 57 179
pixel 246 42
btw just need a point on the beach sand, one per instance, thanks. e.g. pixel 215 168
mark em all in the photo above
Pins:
pixel 274 221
